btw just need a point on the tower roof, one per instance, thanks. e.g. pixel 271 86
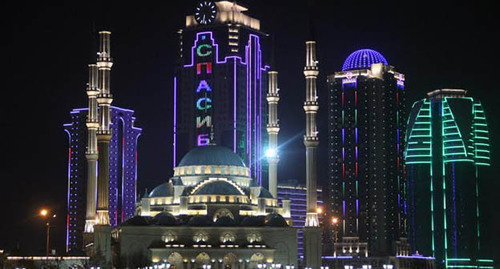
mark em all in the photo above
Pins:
pixel 363 59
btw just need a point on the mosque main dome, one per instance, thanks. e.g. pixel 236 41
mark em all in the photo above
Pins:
pixel 363 59
pixel 211 155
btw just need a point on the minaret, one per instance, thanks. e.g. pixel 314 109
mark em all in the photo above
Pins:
pixel 312 232
pixel 104 99
pixel 311 140
pixel 92 153
pixel 273 128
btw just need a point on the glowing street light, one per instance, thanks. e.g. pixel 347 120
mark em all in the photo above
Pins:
pixel 335 221
pixel 44 213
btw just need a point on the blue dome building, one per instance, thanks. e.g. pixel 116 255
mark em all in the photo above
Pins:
pixel 367 105
pixel 363 59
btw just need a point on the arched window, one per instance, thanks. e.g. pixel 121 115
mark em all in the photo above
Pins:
pixel 254 237
pixel 227 237
pixel 223 212
pixel 169 237
pixel 200 237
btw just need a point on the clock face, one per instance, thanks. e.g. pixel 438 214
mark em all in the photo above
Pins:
pixel 205 12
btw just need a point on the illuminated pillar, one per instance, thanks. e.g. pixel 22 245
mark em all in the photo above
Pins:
pixel 104 99
pixel 312 232
pixel 92 153
pixel 273 129
pixel 311 140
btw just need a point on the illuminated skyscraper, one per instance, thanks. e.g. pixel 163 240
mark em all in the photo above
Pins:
pixel 122 172
pixel 365 150
pixel 221 84
pixel 102 161
pixel 446 154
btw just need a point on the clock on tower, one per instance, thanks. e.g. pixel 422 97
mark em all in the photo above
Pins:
pixel 205 12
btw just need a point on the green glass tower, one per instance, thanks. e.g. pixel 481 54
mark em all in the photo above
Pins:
pixel 446 153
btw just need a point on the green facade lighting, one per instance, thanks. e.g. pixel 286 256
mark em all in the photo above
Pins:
pixel 447 143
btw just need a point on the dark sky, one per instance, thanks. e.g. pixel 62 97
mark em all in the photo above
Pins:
pixel 439 44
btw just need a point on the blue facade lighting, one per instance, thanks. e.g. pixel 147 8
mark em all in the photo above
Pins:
pixel 363 59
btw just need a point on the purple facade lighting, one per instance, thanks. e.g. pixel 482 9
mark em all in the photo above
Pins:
pixel 244 133
pixel 121 207
pixel 235 90
pixel 357 207
pixel 68 215
pixel 123 146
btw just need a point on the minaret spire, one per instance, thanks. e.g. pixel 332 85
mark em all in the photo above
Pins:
pixel 312 232
pixel 104 99
pixel 92 153
pixel 311 139
pixel 273 129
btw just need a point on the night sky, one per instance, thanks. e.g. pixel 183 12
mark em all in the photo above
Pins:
pixel 439 44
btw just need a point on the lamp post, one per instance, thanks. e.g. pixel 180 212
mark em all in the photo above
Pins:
pixel 335 222
pixel 45 214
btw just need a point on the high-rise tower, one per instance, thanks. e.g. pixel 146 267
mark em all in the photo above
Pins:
pixel 221 84
pixel 121 168
pixel 365 151
pixel 446 155
pixel 312 232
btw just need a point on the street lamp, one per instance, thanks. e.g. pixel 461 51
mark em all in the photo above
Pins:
pixel 45 214
pixel 335 222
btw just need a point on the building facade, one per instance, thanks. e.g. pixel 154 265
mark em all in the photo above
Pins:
pixel 122 172
pixel 221 84
pixel 446 155
pixel 365 151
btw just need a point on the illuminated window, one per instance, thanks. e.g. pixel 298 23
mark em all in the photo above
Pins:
pixel 254 237
pixel 227 237
pixel 169 237
pixel 200 237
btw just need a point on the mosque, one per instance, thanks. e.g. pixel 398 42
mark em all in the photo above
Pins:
pixel 209 213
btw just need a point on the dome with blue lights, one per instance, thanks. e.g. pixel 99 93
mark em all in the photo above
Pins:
pixel 363 59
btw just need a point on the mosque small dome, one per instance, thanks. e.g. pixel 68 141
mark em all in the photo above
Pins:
pixel 275 220
pixel 137 221
pixel 253 221
pixel 164 219
pixel 211 155
pixel 199 221
pixel 363 59
pixel 161 190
